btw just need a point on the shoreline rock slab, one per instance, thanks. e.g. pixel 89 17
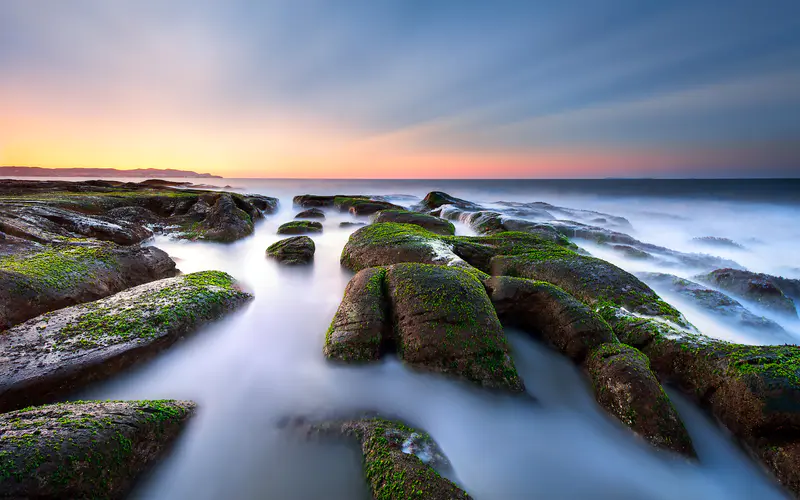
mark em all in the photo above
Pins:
pixel 297 250
pixel 85 449
pixel 762 289
pixel 38 279
pixel 300 227
pixel 429 222
pixel 52 355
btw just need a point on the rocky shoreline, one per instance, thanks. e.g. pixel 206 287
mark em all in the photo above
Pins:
pixel 82 299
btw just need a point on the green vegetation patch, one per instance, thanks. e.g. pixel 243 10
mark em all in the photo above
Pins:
pixel 59 266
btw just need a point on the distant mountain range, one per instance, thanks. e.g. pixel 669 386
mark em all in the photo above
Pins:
pixel 100 172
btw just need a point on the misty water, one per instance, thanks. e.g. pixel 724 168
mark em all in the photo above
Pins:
pixel 263 364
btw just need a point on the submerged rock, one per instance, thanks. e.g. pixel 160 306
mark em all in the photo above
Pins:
pixel 429 222
pixel 352 224
pixel 753 390
pixel 436 199
pixel 52 355
pixel 626 388
pixel 397 459
pixel 716 241
pixel 85 449
pixel 759 288
pixel 37 279
pixel 293 251
pixel 300 227
pixel 311 213
pixel 631 252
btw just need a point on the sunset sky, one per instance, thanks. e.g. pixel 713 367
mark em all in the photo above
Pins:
pixel 405 88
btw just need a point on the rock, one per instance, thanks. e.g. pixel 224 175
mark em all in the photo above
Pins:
pixel 50 356
pixel 85 449
pixel 715 302
pixel 311 213
pixel 429 222
pixel 225 222
pixel 626 388
pixel 310 200
pixel 37 279
pixel 162 182
pixel 293 251
pixel 362 321
pixel 445 322
pixel 546 211
pixel 436 199
pixel 351 224
pixel 759 288
pixel 715 241
pixel 390 243
pixel 266 204
pixel 631 252
pixel 300 227
pixel 550 314
pixel 753 390
pixel 391 466
pixel 132 214
pixel 364 208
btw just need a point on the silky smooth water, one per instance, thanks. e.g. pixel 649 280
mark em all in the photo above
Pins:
pixel 255 368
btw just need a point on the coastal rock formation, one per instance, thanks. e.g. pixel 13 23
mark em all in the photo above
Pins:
pixel 716 241
pixel 311 213
pixel 300 227
pixel 296 250
pixel 441 321
pixel 35 279
pixel 85 449
pixel 626 388
pixel 398 460
pixel 436 199
pixel 224 222
pixel 429 222
pixel 52 355
pixel 762 289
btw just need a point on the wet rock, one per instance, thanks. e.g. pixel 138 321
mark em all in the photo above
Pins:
pixel 550 314
pixel 297 250
pixel 393 466
pixel 52 355
pixel 390 243
pixel 436 199
pixel 445 322
pixel 753 390
pixel 546 211
pixel 300 227
pixel 310 200
pixel 362 321
pixel 369 207
pixel 715 241
pixel 225 222
pixel 37 279
pixel 352 224
pixel 631 252
pixel 311 213
pixel 266 204
pixel 429 222
pixel 132 214
pixel 759 288
pixel 85 449
pixel 626 388
pixel 715 302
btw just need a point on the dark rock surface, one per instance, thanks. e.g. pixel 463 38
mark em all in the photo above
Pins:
pixel 311 213
pixel 297 250
pixel 626 388
pixel 436 199
pixel 35 279
pixel 300 227
pixel 429 222
pixel 352 224
pixel 224 221
pixel 762 289
pixel 52 355
pixel 392 466
pixel 716 241
pixel 85 449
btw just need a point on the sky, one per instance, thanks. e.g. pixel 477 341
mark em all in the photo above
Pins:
pixel 404 88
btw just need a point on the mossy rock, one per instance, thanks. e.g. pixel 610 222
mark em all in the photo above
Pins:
pixel 429 222
pixel 300 227
pixel 38 279
pixel 445 322
pixel 311 213
pixel 50 356
pixel 224 222
pixel 625 387
pixel 297 250
pixel 391 468
pixel 762 289
pixel 436 199
pixel 753 390
pixel 362 321
pixel 388 243
pixel 85 449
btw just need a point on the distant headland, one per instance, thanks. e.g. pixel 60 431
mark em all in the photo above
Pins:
pixel 100 172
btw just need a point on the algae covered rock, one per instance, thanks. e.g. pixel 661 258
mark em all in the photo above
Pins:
pixel 224 222
pixel 429 222
pixel 436 199
pixel 300 227
pixel 387 243
pixel 85 449
pixel 362 323
pixel 37 279
pixel 311 213
pixel 393 464
pixel 626 388
pixel 54 354
pixel 296 250
pixel 760 288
